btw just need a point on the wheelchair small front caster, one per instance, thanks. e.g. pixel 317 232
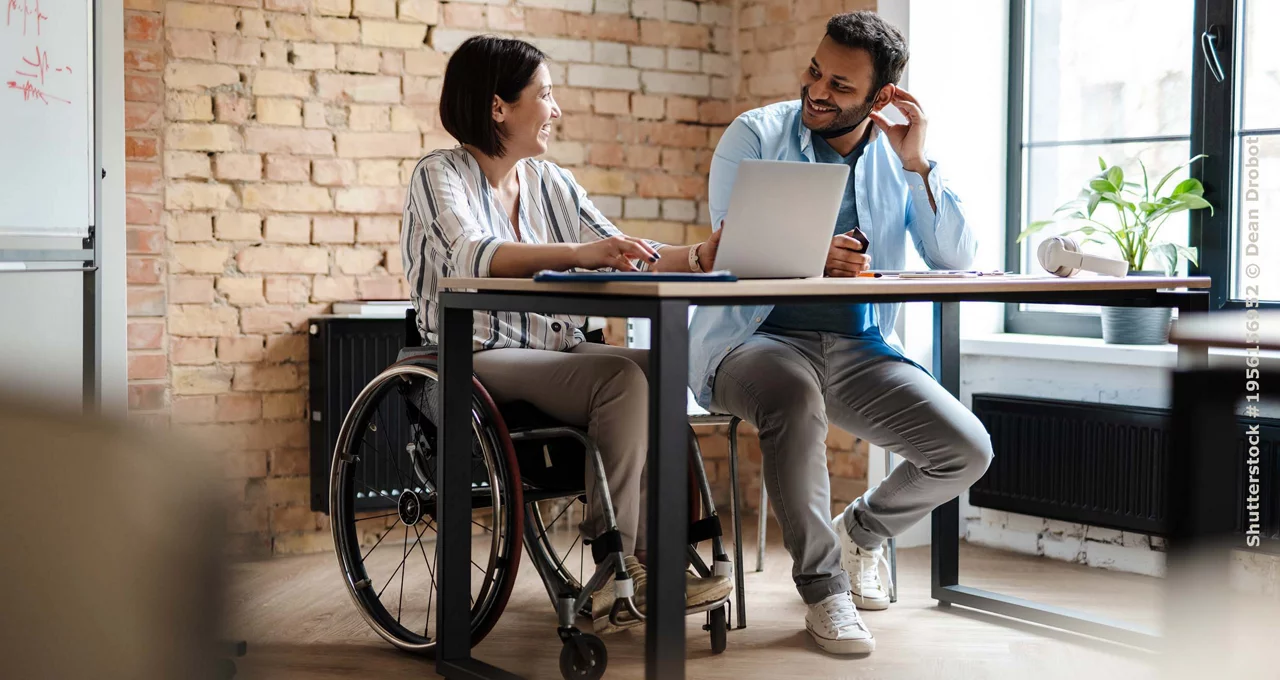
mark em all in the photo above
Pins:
pixel 583 657
pixel 718 625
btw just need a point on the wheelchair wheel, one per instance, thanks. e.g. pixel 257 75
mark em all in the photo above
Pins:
pixel 718 626
pixel 383 508
pixel 585 661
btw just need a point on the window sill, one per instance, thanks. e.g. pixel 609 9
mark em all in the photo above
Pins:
pixel 1088 350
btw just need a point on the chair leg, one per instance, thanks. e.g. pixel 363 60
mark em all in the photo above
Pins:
pixel 739 585
pixel 763 524
pixel 893 543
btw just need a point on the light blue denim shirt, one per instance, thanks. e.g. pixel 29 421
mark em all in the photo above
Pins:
pixel 891 202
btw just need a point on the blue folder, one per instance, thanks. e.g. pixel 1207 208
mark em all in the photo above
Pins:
pixel 595 277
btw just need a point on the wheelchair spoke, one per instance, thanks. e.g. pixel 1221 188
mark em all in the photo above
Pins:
pixel 375 545
pixel 547 527
pixel 431 594
pixel 382 430
pixel 384 494
pixel 391 457
pixel 389 514
pixel 566 553
pixel 398 568
pixel 403 571
pixel 482 526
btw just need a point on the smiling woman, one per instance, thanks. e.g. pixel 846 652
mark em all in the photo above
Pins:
pixel 490 208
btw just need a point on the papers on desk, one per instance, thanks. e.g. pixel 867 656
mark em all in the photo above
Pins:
pixel 935 273
pixel 550 276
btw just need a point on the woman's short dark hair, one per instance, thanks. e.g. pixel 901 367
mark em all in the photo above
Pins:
pixel 481 67
pixel 866 30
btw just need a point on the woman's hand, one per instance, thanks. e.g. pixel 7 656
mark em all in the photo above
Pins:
pixel 616 252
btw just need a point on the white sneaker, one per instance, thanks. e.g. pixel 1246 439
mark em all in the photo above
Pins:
pixel 836 626
pixel 863 567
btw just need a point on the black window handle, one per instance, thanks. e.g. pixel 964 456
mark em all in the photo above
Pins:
pixel 1209 45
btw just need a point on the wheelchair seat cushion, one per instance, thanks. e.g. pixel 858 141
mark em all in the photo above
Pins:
pixel 521 415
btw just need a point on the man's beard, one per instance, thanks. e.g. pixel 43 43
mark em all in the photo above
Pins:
pixel 845 119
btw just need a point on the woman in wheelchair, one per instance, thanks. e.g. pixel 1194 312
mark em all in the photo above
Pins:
pixel 489 208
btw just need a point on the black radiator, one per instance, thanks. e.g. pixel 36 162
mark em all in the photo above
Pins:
pixel 1099 464
pixel 346 355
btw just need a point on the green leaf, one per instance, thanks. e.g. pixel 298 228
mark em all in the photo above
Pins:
pixel 1146 187
pixel 1172 253
pixel 1175 170
pixel 1094 200
pixel 1101 163
pixel 1148 207
pixel 1069 206
pixel 1167 254
pixel 1101 185
pixel 1115 175
pixel 1033 228
pixel 1188 186
pixel 1194 202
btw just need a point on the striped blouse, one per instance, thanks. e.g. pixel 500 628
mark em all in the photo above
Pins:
pixel 453 223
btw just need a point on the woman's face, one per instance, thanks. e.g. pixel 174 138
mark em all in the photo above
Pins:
pixel 527 122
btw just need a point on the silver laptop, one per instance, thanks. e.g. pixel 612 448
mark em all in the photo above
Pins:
pixel 781 218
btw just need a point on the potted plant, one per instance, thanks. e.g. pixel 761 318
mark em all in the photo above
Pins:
pixel 1140 211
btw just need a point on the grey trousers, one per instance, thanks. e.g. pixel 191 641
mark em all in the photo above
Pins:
pixel 790 386
pixel 602 388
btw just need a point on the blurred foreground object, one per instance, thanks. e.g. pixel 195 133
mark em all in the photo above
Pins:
pixel 112 562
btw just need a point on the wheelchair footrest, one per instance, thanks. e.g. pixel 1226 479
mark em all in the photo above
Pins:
pixel 605 544
pixel 705 529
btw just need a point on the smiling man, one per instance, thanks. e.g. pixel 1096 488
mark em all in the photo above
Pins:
pixel 791 370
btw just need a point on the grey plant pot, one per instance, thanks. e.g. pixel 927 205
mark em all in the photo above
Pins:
pixel 1137 325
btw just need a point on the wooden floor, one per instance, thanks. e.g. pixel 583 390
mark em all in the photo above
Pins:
pixel 300 623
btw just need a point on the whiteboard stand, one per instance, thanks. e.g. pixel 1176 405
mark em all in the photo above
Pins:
pixel 19 261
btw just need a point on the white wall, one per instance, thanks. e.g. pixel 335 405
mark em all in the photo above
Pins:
pixel 957 71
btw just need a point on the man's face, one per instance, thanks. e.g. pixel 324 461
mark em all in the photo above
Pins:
pixel 837 88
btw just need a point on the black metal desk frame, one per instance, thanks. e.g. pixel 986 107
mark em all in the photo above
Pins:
pixel 668 520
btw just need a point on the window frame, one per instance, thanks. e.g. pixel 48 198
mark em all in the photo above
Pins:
pixel 1211 101
pixel 1217 101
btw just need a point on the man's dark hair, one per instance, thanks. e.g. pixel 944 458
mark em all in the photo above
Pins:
pixel 481 67
pixel 866 30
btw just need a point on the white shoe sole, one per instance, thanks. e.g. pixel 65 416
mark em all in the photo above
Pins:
pixel 869 603
pixel 857 646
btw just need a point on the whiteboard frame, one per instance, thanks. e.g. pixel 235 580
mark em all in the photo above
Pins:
pixel 92 151
pixel 88 258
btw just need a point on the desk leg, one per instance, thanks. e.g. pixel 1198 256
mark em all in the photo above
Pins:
pixel 668 506
pixel 1203 508
pixel 945 539
pixel 1193 356
pixel 453 511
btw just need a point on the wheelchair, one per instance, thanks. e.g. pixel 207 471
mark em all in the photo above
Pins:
pixel 527 486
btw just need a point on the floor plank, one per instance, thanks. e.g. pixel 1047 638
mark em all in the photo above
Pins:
pixel 300 623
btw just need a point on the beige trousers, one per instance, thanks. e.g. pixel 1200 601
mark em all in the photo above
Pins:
pixel 602 388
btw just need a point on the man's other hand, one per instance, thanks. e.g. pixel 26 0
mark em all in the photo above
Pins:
pixel 844 257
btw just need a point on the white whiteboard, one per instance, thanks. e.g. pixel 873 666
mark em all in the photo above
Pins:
pixel 46 117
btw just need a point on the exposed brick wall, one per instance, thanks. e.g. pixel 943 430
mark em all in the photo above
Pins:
pixel 268 145
pixel 776 38
pixel 144 120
